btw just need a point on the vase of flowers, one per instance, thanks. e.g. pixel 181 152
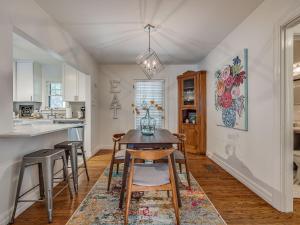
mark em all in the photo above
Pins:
pixel 147 123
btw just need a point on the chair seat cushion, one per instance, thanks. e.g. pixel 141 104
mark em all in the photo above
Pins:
pixel 151 174
pixel 178 154
pixel 120 154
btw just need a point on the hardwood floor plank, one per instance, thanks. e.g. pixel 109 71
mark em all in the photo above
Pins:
pixel 64 207
pixel 236 203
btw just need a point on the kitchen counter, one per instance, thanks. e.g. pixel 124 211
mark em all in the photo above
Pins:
pixel 36 129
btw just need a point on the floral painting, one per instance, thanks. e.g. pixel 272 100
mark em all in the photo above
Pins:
pixel 231 93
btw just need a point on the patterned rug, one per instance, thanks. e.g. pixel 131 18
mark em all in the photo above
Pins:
pixel 101 207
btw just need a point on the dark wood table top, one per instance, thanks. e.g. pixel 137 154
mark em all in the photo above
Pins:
pixel 161 136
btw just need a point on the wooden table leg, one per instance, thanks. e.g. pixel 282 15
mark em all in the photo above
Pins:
pixel 124 179
pixel 176 179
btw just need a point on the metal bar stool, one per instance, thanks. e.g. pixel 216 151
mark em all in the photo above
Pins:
pixel 73 149
pixel 45 159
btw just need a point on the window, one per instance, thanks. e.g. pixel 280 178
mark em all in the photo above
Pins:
pixel 147 90
pixel 55 95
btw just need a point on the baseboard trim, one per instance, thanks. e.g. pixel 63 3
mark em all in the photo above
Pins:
pixel 106 147
pixel 257 189
pixel 35 194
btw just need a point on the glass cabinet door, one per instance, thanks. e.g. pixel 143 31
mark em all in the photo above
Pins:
pixel 189 92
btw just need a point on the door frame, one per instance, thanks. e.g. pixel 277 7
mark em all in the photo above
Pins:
pixel 284 98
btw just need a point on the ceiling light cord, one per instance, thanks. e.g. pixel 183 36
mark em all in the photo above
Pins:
pixel 149 38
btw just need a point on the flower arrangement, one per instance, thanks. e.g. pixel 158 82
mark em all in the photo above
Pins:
pixel 146 106
pixel 228 93
pixel 147 123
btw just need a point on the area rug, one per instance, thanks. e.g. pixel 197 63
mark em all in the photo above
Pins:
pixel 101 207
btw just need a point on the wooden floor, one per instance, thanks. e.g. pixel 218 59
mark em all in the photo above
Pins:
pixel 236 203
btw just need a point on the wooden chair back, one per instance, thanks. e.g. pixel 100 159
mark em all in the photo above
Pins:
pixel 154 154
pixel 182 138
pixel 117 137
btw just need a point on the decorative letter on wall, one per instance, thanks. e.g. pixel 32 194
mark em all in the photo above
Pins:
pixel 231 93
pixel 115 104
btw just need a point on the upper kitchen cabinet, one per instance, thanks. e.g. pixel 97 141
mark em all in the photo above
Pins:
pixel 81 86
pixel 28 81
pixel 74 84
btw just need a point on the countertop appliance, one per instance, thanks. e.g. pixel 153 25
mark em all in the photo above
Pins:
pixel 25 110
pixel 82 109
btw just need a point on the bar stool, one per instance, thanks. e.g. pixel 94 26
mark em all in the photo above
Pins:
pixel 45 159
pixel 73 149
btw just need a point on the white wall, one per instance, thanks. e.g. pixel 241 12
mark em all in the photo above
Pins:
pixel 29 18
pixel 127 74
pixel 12 151
pixel 253 156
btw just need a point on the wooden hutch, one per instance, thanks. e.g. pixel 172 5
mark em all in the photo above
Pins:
pixel 192 110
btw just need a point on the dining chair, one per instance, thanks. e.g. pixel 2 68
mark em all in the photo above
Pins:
pixel 118 156
pixel 151 177
pixel 181 156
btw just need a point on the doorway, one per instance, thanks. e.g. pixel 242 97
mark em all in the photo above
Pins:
pixel 290 112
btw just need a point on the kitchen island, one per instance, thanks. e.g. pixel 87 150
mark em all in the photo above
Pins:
pixel 23 139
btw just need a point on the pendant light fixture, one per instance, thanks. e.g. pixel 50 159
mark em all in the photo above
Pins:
pixel 149 60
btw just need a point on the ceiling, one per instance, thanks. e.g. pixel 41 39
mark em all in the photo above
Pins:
pixel 112 31
pixel 24 49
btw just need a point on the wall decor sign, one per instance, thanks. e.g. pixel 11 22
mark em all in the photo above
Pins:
pixel 115 103
pixel 231 93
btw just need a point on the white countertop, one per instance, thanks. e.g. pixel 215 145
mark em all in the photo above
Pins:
pixel 36 129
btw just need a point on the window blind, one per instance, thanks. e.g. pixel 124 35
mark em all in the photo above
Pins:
pixel 147 90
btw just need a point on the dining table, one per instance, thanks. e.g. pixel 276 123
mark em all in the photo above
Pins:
pixel 134 139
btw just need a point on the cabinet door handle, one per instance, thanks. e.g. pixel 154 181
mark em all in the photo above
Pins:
pixel 31 98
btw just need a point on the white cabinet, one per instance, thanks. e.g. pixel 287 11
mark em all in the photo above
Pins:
pixel 28 81
pixel 81 86
pixel 70 84
pixel 74 85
